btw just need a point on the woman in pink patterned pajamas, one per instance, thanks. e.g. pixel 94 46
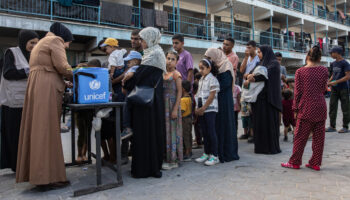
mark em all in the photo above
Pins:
pixel 311 110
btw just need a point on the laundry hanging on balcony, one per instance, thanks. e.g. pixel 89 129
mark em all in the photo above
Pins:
pixel 116 13
pixel 75 11
pixel 161 19
pixel 147 17
pixel 40 7
pixel 67 3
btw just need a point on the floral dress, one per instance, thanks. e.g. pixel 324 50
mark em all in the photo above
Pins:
pixel 174 143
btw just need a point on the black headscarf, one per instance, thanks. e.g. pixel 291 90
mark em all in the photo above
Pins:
pixel 60 30
pixel 23 37
pixel 274 74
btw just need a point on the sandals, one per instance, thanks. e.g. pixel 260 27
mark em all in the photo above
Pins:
pixel 314 167
pixel 343 130
pixel 291 166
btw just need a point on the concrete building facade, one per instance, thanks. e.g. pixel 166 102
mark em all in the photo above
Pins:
pixel 289 26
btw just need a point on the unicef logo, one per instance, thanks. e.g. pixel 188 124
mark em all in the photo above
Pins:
pixel 95 85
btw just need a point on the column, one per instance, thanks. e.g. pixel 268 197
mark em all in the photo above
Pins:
pixel 139 13
pixel 253 31
pixel 174 18
pixel 287 31
pixel 335 11
pixel 206 21
pixel 271 32
pixel 178 17
pixel 315 38
pixel 302 37
pixel 212 26
pixel 313 7
pixel 325 10
pixel 232 25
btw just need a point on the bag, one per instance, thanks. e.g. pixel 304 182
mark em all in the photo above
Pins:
pixel 142 95
pixel 91 85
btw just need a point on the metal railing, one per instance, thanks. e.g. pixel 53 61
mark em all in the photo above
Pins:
pixel 310 8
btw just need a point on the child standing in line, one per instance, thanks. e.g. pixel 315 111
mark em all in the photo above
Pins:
pixel 236 102
pixel 197 128
pixel 172 97
pixel 186 109
pixel 207 108
pixel 246 110
pixel 288 114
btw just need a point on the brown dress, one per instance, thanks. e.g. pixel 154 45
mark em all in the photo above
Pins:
pixel 40 157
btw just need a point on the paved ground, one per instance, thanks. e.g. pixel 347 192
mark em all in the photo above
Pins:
pixel 253 177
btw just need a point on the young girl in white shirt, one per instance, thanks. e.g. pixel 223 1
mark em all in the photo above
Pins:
pixel 207 108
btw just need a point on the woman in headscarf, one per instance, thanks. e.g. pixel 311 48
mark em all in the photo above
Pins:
pixel 40 155
pixel 268 105
pixel 148 122
pixel 12 91
pixel 225 119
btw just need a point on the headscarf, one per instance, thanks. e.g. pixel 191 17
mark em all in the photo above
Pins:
pixel 274 73
pixel 60 30
pixel 221 60
pixel 154 54
pixel 23 37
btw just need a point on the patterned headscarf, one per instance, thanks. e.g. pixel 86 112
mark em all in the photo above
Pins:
pixel 154 54
pixel 221 60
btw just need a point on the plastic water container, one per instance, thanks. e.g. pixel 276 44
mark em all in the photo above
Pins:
pixel 90 85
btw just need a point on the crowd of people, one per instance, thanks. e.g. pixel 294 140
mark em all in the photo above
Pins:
pixel 157 129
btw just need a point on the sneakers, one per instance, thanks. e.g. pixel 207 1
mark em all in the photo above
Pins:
pixel 343 130
pixel 244 137
pixel 169 166
pixel 126 133
pixel 203 158
pixel 213 160
pixel 291 166
pixel 331 129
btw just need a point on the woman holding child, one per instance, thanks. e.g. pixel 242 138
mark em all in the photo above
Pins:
pixel 147 122
pixel 268 104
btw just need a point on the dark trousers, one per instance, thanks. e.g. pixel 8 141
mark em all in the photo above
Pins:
pixel 343 96
pixel 198 133
pixel 210 139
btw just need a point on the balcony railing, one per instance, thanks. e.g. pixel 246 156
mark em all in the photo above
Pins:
pixel 310 8
pixel 199 28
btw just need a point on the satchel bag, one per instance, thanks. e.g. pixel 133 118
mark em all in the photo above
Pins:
pixel 142 95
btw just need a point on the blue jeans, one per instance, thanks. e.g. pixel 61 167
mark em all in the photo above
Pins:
pixel 210 139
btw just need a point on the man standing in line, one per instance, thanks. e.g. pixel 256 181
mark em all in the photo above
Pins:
pixel 340 69
pixel 250 60
pixel 227 47
pixel 136 41
pixel 185 63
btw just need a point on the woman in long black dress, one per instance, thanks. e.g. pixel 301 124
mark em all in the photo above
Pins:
pixel 148 123
pixel 225 119
pixel 12 91
pixel 268 105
